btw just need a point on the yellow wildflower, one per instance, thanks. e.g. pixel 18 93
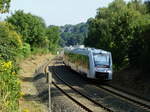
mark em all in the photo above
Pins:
pixel 21 94
pixel 25 110
pixel 7 64
pixel 6 103
pixel 14 73
pixel 18 82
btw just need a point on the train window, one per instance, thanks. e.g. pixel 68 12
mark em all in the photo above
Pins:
pixel 101 59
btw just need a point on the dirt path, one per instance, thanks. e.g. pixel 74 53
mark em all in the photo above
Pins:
pixel 30 102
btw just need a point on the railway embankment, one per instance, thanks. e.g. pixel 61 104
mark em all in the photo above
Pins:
pixel 133 81
pixel 33 84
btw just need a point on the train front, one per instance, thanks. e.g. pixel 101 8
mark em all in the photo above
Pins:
pixel 103 66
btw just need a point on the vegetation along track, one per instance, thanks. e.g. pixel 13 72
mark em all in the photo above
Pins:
pixel 79 103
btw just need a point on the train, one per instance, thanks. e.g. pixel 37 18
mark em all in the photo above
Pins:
pixel 90 62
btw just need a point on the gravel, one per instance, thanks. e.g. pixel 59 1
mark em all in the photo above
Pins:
pixel 61 103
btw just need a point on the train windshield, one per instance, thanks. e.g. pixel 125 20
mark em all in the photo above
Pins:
pixel 101 60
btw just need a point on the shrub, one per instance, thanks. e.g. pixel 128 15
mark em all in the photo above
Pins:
pixel 25 50
pixel 9 87
pixel 10 41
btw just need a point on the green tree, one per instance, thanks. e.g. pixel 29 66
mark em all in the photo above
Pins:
pixel 53 35
pixel 31 27
pixel 138 6
pixel 119 29
pixel 4 5
pixel 147 3
pixel 139 46
pixel 73 34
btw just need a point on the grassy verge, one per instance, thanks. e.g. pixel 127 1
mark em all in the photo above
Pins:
pixel 30 101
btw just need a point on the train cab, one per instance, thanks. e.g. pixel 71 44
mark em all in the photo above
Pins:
pixel 103 66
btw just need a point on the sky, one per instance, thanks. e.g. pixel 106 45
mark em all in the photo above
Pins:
pixel 59 12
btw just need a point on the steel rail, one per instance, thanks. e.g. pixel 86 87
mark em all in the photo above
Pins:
pixel 87 97
pixel 132 94
pixel 74 100
pixel 131 99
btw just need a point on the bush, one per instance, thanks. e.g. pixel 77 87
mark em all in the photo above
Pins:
pixel 25 51
pixel 10 41
pixel 9 87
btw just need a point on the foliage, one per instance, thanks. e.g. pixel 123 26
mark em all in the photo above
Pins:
pixel 10 41
pixel 53 36
pixel 23 34
pixel 73 34
pixel 4 6
pixel 25 50
pixel 147 3
pixel 120 28
pixel 32 28
pixel 9 87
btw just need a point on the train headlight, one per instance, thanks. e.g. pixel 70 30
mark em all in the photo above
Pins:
pixel 109 71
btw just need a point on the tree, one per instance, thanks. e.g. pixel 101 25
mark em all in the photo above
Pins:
pixel 53 35
pixel 147 3
pixel 138 6
pixel 4 5
pixel 31 27
pixel 139 46
pixel 73 34
pixel 118 28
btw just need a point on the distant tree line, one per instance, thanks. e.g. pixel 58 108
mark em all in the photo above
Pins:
pixel 73 34
pixel 124 29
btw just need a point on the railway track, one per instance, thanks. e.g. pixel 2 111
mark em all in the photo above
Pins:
pixel 79 93
pixel 130 98
pixel 80 104
pixel 142 104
